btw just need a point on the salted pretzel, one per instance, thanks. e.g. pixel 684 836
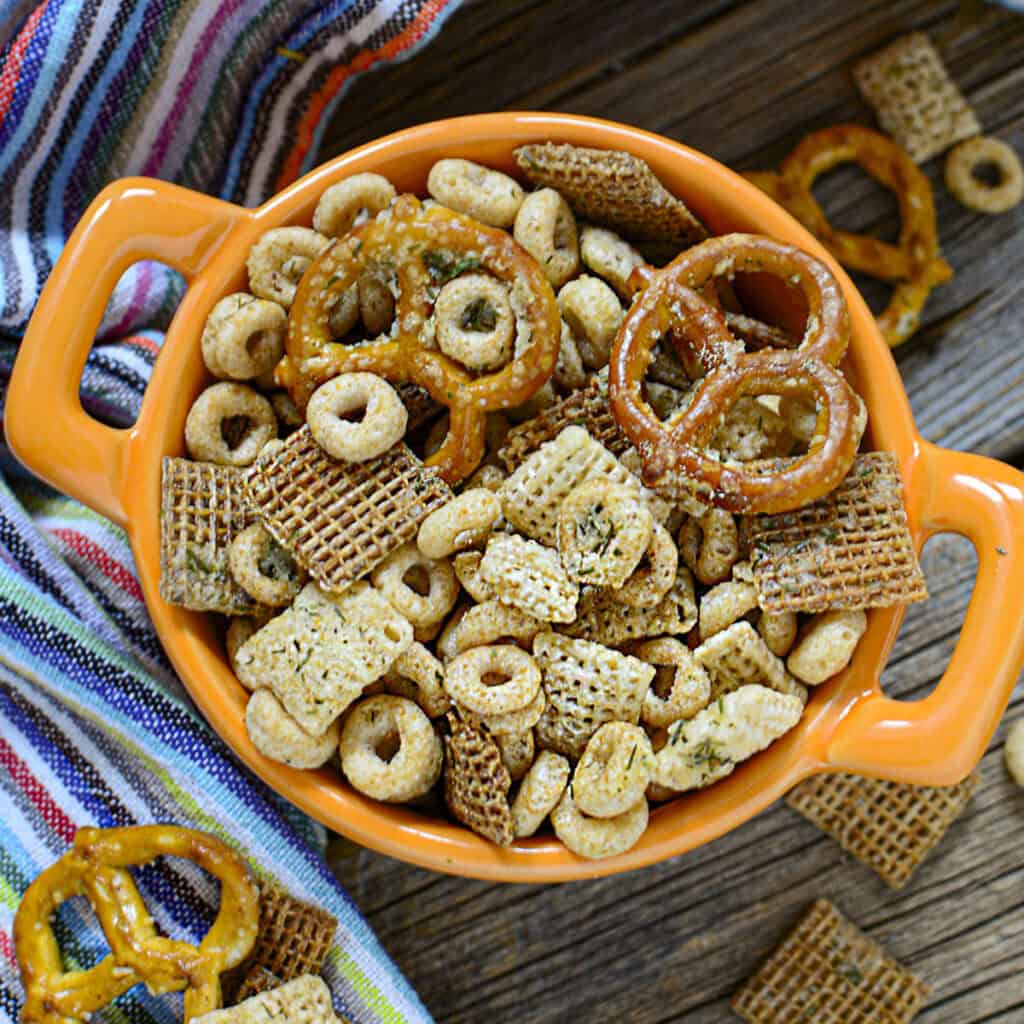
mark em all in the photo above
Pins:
pixel 96 867
pixel 915 264
pixel 426 247
pixel 674 452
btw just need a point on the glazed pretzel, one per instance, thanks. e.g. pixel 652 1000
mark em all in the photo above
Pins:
pixel 674 452
pixel 914 264
pixel 417 243
pixel 96 867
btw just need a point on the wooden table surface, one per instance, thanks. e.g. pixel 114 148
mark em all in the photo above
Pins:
pixel 744 82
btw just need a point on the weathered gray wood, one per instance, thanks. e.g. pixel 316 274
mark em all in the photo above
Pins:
pixel 744 82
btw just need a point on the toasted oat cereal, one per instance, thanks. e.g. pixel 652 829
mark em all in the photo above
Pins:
pixel 464 521
pixel 305 1000
pixel 889 826
pixel 546 229
pixel 229 424
pixel 382 422
pixel 491 621
pixel 484 194
pixel 964 160
pixel 592 311
pixel 916 101
pixel 778 631
pixel 467 569
pixel 262 568
pixel 829 972
pixel 488 475
pixel 319 654
pixel 709 545
pixel 654 577
pixel 587 685
pixel 417 675
pixel 202 509
pixel 725 604
pixel 518 752
pixel 403 576
pixel 610 257
pixel 475 324
pixel 827 646
pixel 595 838
pixel 492 680
pixel 508 723
pixel 737 657
pixel 278 260
pixel 538 795
pixel 389 750
pixel 689 686
pixel 1013 752
pixel 570 373
pixel 613 773
pixel 529 577
pixel 243 337
pixel 729 730
pixel 851 549
pixel 275 734
pixel 476 782
pixel 352 199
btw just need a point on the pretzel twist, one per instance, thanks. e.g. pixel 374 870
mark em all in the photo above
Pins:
pixel 410 238
pixel 674 452
pixel 96 867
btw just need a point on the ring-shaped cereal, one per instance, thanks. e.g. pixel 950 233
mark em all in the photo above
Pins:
pixel 610 257
pixel 262 568
pixel 479 192
pixel 594 315
pixel 279 259
pixel 778 630
pixel 649 583
pixel 710 545
pixel 595 838
pixel 428 247
pixel 412 749
pixel 970 189
pixel 539 793
pixel 460 523
pixel 511 722
pixel 227 410
pixel 724 604
pixel 613 773
pixel 675 452
pixel 475 324
pixel 275 734
pixel 518 751
pixel 690 689
pixel 546 228
pixel 342 203
pixel 421 609
pixel 485 623
pixel 244 337
pixel 604 528
pixel 468 684
pixel 383 422
pixel 418 675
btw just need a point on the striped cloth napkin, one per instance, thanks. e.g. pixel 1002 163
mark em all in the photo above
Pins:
pixel 228 97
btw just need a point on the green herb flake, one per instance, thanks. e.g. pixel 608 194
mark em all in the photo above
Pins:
pixel 632 754
pixel 196 563
pixel 479 315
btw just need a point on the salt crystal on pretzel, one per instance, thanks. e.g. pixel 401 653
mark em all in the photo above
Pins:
pixel 611 188
pixel 851 549
pixel 587 684
pixel 915 99
pixel 737 657
pixel 319 654
pixel 828 971
pixel 203 507
pixel 339 520
pixel 306 1000
pixel 530 577
pixel 889 826
pixel 476 782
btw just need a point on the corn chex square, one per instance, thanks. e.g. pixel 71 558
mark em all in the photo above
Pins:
pixel 737 656
pixel 586 684
pixel 202 509
pixel 530 577
pixel 889 826
pixel 829 972
pixel 340 519
pixel 319 654
pixel 306 1000
pixel 916 101
pixel 851 549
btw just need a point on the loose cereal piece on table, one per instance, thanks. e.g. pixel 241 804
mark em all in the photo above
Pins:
pixel 889 826
pixel 976 194
pixel 851 549
pixel 530 577
pixel 1013 752
pixel 539 793
pixel 737 657
pixel 587 685
pixel 730 730
pixel 613 189
pixel 203 508
pixel 829 972
pixel 587 408
pixel 275 734
pixel 476 782
pixel 305 1000
pixel 916 101
pixel 319 654
pixel 340 520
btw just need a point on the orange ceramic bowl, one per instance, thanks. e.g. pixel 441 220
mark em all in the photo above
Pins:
pixel 848 724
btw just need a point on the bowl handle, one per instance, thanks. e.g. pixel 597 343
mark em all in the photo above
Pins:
pixel 47 429
pixel 938 741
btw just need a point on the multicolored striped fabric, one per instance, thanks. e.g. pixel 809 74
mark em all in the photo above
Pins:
pixel 225 96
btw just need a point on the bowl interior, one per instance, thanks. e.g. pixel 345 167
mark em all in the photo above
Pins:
pixel 725 202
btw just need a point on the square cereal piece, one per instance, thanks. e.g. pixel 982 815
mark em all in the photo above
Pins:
pixel 339 519
pixel 828 971
pixel 851 549
pixel 613 189
pixel 889 826
pixel 586 684
pixel 319 654
pixel 530 577
pixel 306 1000
pixel 532 496
pixel 294 937
pixel 255 981
pixel 916 101
pixel 586 407
pixel 202 509
pixel 737 656
pixel 476 781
